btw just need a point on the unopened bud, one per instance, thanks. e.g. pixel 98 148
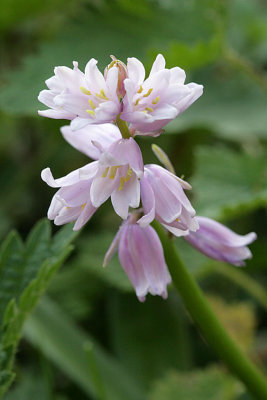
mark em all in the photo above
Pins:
pixel 121 76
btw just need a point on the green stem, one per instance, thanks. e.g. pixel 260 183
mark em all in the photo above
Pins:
pixel 123 127
pixel 212 329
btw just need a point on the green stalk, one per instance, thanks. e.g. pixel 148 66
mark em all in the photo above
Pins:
pixel 208 323
pixel 123 127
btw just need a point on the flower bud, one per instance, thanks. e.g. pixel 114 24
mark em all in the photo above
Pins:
pixel 121 76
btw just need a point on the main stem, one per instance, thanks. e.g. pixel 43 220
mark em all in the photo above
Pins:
pixel 212 329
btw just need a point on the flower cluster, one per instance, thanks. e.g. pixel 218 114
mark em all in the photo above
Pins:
pixel 107 111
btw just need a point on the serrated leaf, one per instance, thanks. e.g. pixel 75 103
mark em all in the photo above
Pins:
pixel 236 185
pixel 25 273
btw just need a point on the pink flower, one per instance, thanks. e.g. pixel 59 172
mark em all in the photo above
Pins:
pixel 221 243
pixel 116 174
pixel 163 198
pixel 141 256
pixel 91 98
pixel 149 104
pixel 85 98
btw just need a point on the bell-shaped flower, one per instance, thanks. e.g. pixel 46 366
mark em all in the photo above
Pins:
pixel 141 256
pixel 85 98
pixel 221 243
pixel 72 201
pixel 116 174
pixel 163 198
pixel 149 104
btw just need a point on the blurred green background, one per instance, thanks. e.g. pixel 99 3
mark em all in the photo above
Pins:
pixel 90 338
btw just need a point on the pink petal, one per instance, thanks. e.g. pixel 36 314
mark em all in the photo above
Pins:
pixel 158 64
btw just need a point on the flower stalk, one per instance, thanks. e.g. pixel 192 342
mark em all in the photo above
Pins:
pixel 123 127
pixel 205 318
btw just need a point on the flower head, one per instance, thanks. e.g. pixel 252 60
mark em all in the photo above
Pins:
pixel 85 98
pixel 92 98
pixel 141 256
pixel 220 243
pixel 150 104
pixel 163 198
pixel 116 174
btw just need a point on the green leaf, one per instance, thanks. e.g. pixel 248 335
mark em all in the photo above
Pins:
pixel 233 105
pixel 25 271
pixel 236 185
pixel 150 337
pixel 30 386
pixel 209 384
pixel 47 328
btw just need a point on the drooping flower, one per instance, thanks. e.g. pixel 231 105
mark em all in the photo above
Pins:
pixel 150 104
pixel 85 98
pixel 141 256
pixel 221 243
pixel 163 198
pixel 116 174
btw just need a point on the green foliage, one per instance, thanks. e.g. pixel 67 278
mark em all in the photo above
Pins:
pixel 133 326
pixel 236 185
pixel 57 336
pixel 25 271
pixel 209 384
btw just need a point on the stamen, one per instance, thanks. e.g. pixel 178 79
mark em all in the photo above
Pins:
pixel 140 89
pixel 102 95
pixel 91 112
pixel 105 173
pixel 82 206
pixel 92 104
pixel 156 100
pixel 85 91
pixel 122 182
pixel 113 171
pixel 128 174
pixel 137 101
pixel 149 109
pixel 148 93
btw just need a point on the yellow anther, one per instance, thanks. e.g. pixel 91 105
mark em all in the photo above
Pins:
pixel 91 112
pixel 148 93
pixel 92 104
pixel 177 219
pixel 149 109
pixel 128 174
pixel 122 182
pixel 140 89
pixel 102 95
pixel 113 171
pixel 82 206
pixel 137 101
pixel 105 173
pixel 156 100
pixel 85 91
